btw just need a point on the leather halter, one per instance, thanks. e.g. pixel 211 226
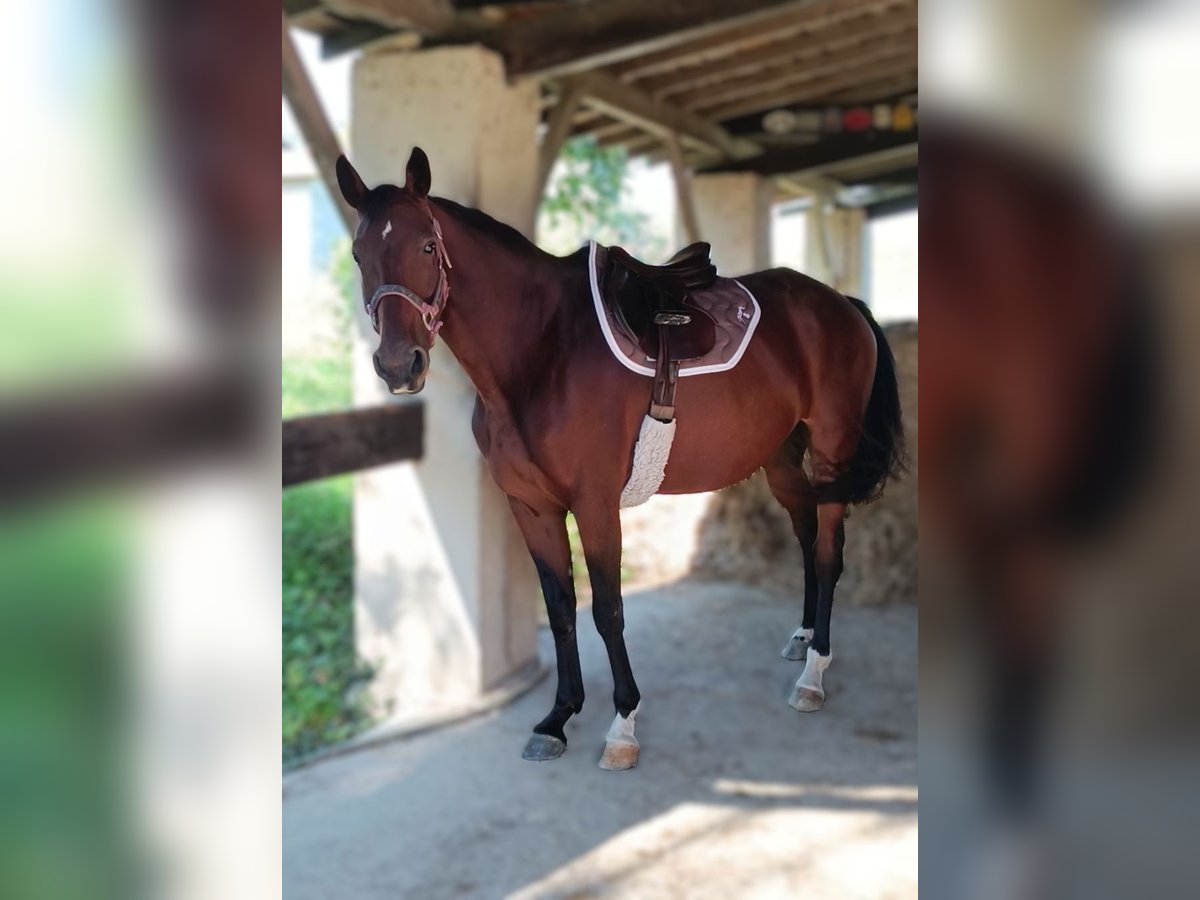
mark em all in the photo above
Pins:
pixel 431 310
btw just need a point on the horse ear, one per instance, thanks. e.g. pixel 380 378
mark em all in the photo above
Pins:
pixel 353 189
pixel 416 177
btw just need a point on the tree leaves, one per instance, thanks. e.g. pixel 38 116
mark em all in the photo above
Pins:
pixel 587 200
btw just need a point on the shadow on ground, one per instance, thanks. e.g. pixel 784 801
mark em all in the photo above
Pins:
pixel 736 795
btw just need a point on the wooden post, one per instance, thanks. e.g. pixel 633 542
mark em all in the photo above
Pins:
pixel 560 126
pixel 683 190
pixel 314 125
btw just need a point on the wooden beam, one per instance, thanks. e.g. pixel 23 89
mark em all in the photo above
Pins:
pixel 620 101
pixel 827 152
pixel 885 161
pixel 570 97
pixel 128 432
pixel 877 52
pixel 893 206
pixel 317 447
pixel 815 91
pixel 683 190
pixel 579 37
pixel 792 55
pixel 787 24
pixel 314 125
pixel 892 90
pixel 424 16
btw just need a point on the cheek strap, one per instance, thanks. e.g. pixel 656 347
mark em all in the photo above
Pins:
pixel 431 310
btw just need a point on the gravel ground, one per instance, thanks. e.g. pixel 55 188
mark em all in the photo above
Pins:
pixel 736 794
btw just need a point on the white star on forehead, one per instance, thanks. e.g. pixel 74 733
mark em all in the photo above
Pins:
pixel 387 229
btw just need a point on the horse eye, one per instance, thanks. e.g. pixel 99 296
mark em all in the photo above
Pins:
pixel 429 247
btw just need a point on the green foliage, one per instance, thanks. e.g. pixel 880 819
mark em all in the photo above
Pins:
pixel 321 672
pixel 315 385
pixel 322 676
pixel 585 200
pixel 65 656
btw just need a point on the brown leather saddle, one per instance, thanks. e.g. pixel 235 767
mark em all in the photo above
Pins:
pixel 653 306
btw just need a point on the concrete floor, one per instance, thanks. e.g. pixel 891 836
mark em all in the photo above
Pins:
pixel 736 795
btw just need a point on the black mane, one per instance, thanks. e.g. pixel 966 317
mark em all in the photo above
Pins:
pixel 380 199
pixel 502 234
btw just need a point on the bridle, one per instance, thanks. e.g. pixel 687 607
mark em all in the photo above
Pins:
pixel 431 310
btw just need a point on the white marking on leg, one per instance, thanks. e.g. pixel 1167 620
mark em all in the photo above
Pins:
pixel 814 670
pixel 804 634
pixel 808 695
pixel 621 730
pixel 387 229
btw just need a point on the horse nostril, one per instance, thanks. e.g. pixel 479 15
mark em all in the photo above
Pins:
pixel 420 362
pixel 378 365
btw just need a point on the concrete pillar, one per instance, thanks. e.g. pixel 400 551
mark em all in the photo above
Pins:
pixel 446 595
pixel 833 246
pixel 734 211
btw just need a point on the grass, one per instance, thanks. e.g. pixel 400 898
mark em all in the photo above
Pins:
pixel 65 671
pixel 322 676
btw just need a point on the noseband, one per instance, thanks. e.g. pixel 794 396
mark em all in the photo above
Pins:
pixel 431 310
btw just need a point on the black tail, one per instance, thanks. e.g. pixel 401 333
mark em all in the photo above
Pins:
pixel 880 453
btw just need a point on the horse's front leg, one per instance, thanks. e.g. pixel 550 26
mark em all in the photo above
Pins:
pixel 546 536
pixel 600 532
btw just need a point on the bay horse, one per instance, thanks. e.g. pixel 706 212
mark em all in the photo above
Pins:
pixel 556 417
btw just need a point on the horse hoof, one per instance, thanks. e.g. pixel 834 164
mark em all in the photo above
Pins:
pixel 806 699
pixel 618 757
pixel 542 747
pixel 796 648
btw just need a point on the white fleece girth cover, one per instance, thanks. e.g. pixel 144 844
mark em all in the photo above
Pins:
pixel 650 457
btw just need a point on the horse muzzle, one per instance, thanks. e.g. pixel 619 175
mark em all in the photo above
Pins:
pixel 403 373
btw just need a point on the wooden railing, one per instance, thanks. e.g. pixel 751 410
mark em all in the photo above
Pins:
pixel 139 429
pixel 317 447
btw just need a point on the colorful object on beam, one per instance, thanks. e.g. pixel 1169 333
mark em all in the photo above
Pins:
pixel 857 118
pixel 880 117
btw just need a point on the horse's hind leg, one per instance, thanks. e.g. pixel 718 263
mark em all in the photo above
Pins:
pixel 600 533
pixel 832 450
pixel 790 486
pixel 546 537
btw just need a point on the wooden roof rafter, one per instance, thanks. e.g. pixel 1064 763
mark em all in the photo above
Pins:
pixel 857 59
pixel 627 104
pixel 814 91
pixel 847 38
pixel 788 25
